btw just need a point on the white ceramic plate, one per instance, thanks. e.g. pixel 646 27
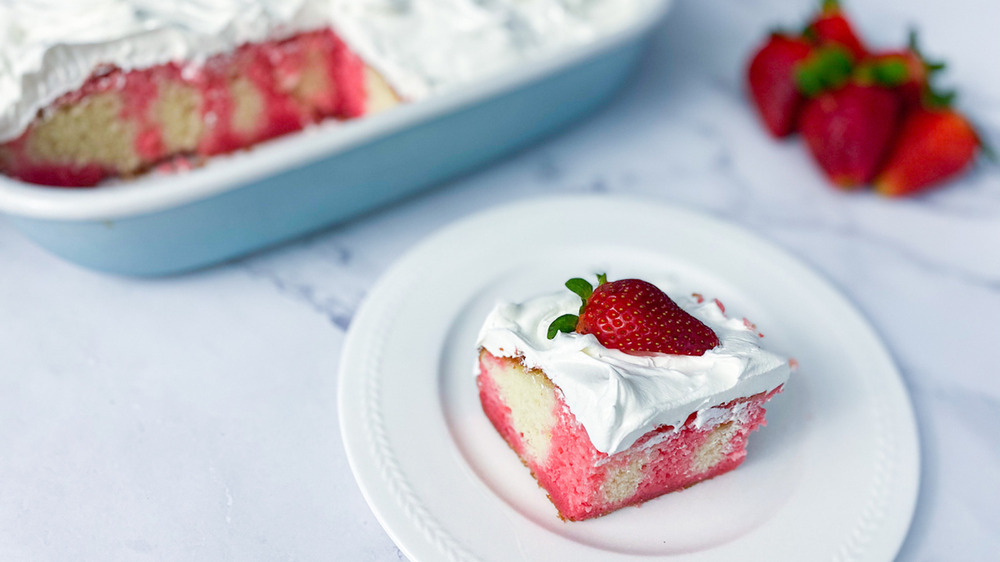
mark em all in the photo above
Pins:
pixel 833 476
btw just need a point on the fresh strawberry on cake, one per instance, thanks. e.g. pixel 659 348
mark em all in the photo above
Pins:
pixel 626 396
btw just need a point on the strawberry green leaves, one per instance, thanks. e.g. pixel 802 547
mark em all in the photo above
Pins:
pixel 582 288
pixel 827 68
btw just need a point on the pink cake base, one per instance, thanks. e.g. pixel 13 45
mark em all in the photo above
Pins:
pixel 233 101
pixel 583 482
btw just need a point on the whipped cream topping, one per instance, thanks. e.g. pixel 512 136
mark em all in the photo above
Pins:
pixel 50 47
pixel 619 397
pixel 428 45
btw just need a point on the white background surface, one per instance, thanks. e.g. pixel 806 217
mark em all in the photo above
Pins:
pixel 194 417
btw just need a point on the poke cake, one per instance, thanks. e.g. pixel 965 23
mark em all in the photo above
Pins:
pixel 625 397
pixel 100 89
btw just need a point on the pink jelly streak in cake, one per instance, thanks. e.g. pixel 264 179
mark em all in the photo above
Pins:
pixel 583 482
pixel 288 100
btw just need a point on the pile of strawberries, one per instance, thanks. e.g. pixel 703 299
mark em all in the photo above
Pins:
pixel 868 118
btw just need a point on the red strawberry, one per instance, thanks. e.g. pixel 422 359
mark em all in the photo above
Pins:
pixel 849 131
pixel 635 316
pixel 934 145
pixel 912 72
pixel 831 26
pixel 771 78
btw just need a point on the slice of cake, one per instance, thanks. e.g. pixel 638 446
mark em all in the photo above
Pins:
pixel 627 397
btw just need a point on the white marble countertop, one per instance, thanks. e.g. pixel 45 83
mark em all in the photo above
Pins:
pixel 195 418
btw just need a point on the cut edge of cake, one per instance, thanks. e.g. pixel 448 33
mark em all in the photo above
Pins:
pixel 176 116
pixel 529 412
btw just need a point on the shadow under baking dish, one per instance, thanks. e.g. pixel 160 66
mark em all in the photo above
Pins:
pixel 704 516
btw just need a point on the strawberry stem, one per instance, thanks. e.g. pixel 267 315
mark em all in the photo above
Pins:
pixel 828 7
pixel 913 45
pixel 930 97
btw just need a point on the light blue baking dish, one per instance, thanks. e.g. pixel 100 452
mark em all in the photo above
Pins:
pixel 161 224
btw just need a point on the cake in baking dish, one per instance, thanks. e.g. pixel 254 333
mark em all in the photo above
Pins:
pixel 625 398
pixel 91 89
pixel 121 123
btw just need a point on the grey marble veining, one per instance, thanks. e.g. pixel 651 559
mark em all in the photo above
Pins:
pixel 195 417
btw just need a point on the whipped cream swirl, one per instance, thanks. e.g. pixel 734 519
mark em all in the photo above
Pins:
pixel 619 397
pixel 50 47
